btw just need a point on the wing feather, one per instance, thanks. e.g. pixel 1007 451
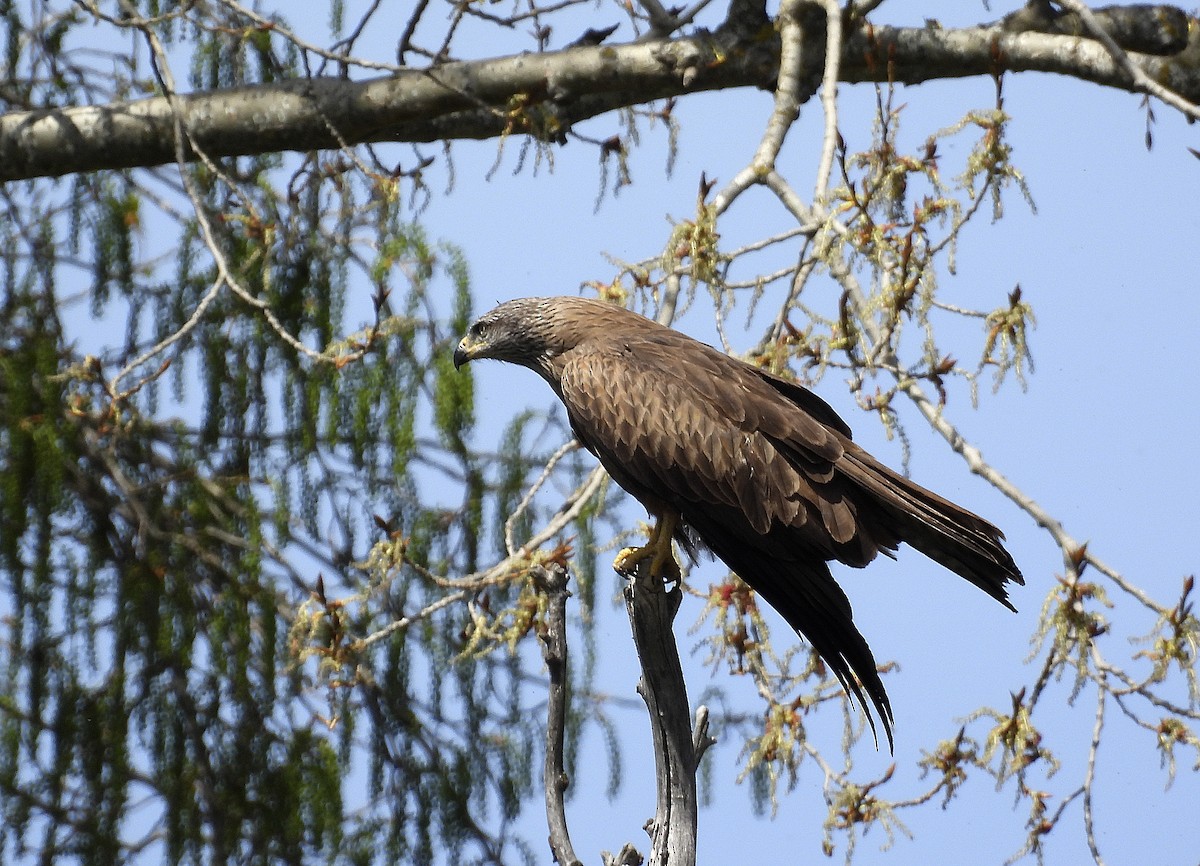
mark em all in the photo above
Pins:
pixel 670 442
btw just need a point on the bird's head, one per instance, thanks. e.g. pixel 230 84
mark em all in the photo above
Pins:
pixel 519 332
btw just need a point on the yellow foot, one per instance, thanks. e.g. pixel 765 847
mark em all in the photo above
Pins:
pixel 657 549
pixel 662 561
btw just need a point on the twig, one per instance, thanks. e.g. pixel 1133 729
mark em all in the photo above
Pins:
pixel 510 544
pixel 405 621
pixel 567 512
pixel 662 22
pixel 342 57
pixel 975 461
pixel 785 112
pixel 977 464
pixel 162 69
pixel 158 348
pixel 1089 823
pixel 496 574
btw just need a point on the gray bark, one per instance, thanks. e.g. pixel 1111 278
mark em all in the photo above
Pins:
pixel 472 99
pixel 651 612
pixel 553 579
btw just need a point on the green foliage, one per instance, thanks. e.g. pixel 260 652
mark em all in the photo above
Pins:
pixel 164 542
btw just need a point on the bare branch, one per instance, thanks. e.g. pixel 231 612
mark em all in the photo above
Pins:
pixel 833 56
pixel 554 651
pixel 652 610
pixel 1119 55
pixel 510 543
pixel 791 91
pixel 1089 780
pixel 471 99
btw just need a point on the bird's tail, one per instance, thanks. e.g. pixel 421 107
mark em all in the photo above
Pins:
pixel 962 541
pixel 800 588
pixel 804 593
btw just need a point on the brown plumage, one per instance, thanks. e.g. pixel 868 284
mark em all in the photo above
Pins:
pixel 761 470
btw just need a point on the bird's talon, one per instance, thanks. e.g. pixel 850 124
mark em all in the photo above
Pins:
pixel 662 562
pixel 629 559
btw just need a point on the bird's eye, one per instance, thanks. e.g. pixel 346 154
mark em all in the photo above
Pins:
pixel 476 329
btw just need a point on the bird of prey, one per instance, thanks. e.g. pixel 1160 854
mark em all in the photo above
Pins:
pixel 758 469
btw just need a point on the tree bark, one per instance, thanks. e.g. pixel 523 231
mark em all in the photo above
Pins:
pixel 553 579
pixel 544 94
pixel 652 611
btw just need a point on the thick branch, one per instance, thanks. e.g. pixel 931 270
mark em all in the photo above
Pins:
pixel 544 94
pixel 925 54
pixel 651 613
pixel 478 99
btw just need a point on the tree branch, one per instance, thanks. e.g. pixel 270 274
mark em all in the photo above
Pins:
pixel 1091 21
pixel 918 54
pixel 544 94
pixel 554 650
pixel 652 611
pixel 455 100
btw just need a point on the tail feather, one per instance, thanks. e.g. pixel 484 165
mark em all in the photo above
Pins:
pixel 802 590
pixel 950 535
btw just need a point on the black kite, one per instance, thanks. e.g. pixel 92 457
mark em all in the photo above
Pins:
pixel 759 469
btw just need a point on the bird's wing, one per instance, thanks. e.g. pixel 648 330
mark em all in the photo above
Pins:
pixel 679 424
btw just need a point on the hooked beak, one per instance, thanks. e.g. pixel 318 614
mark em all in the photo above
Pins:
pixel 464 352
